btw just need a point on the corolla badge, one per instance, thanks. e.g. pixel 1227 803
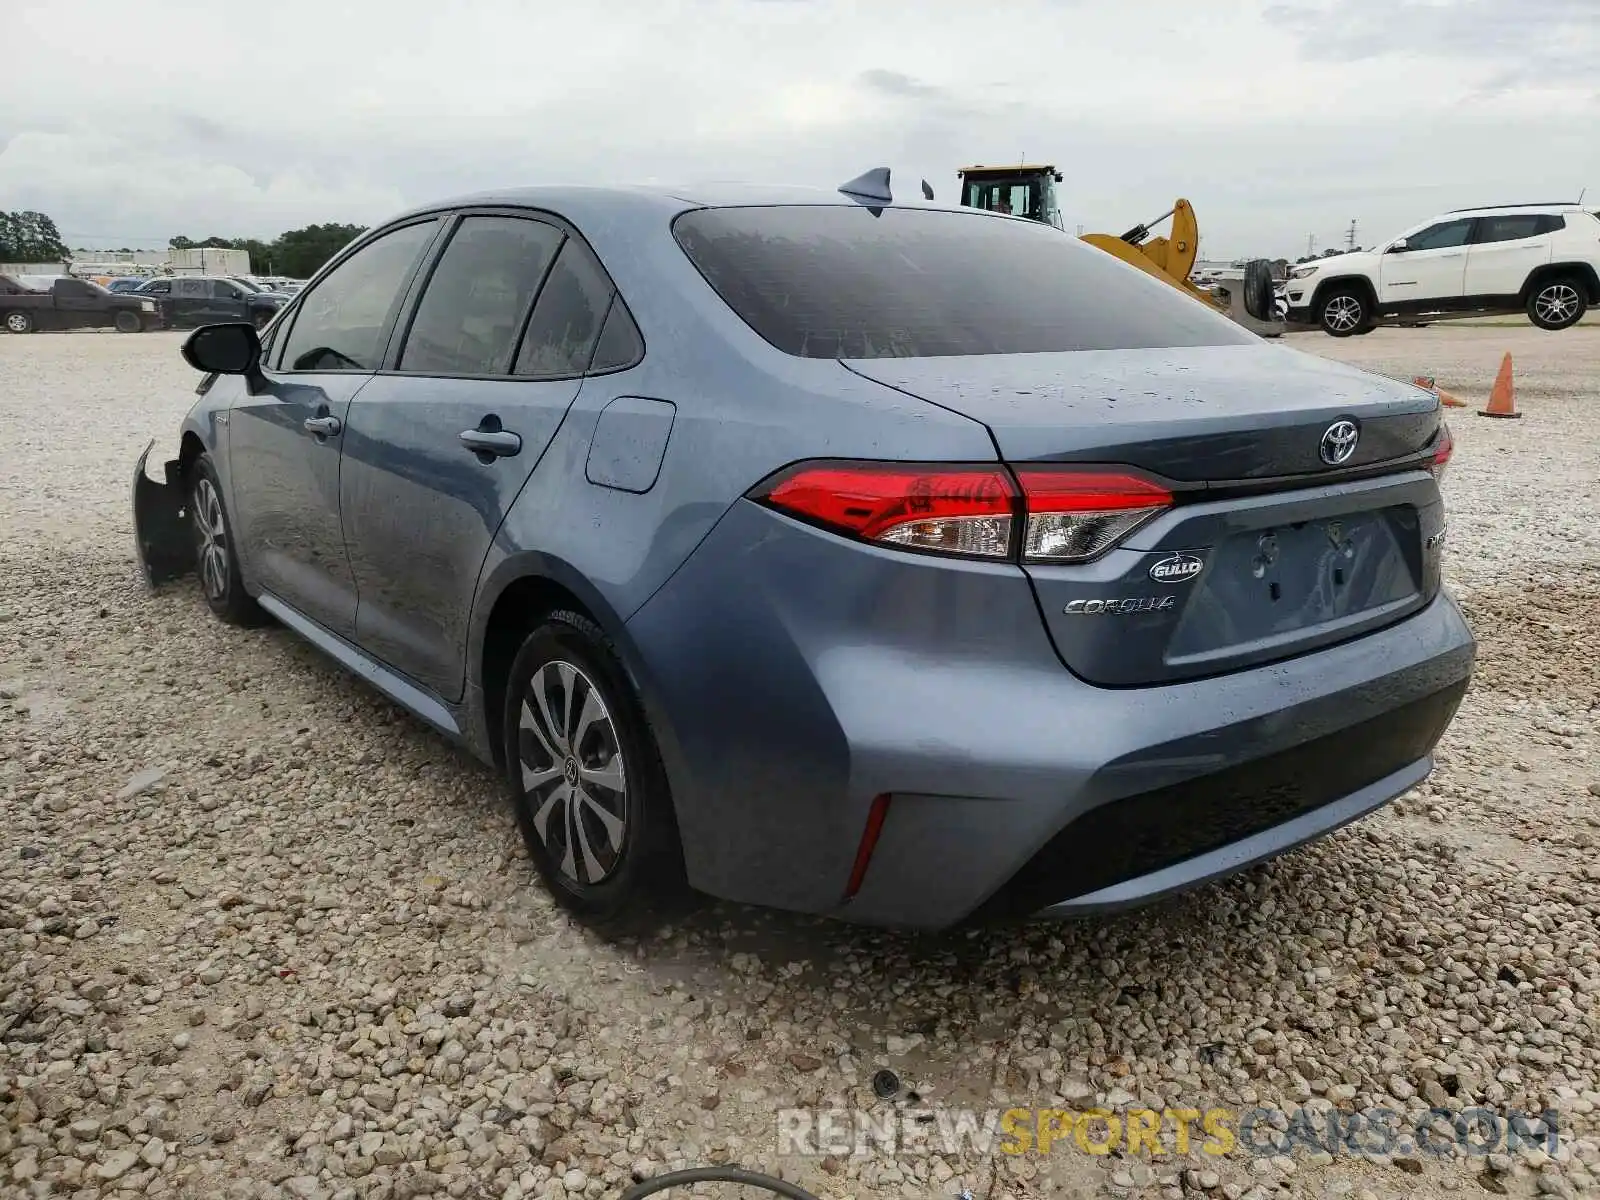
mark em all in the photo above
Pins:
pixel 1176 568
pixel 1339 442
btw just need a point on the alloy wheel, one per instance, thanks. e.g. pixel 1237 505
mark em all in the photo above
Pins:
pixel 17 322
pixel 573 773
pixel 1343 312
pixel 1556 303
pixel 212 532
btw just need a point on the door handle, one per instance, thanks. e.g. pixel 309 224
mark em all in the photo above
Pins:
pixel 501 443
pixel 323 426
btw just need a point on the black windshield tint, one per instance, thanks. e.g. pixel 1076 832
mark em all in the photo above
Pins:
pixel 838 282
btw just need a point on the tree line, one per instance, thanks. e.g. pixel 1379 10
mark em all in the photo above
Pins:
pixel 30 237
pixel 297 254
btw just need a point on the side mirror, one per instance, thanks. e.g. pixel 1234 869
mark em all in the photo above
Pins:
pixel 1399 247
pixel 231 349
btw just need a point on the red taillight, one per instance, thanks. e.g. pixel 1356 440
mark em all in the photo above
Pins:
pixel 1076 515
pixel 1442 453
pixel 1043 513
pixel 946 509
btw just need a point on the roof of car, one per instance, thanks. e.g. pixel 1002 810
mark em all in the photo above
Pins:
pixel 581 202
pixel 1553 206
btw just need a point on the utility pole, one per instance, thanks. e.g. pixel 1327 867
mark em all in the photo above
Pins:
pixel 1350 235
pixel 1080 230
pixel 1311 244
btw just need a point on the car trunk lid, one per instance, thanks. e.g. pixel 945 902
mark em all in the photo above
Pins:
pixel 1269 550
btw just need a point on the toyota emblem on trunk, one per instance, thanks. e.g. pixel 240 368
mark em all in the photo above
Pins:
pixel 1339 442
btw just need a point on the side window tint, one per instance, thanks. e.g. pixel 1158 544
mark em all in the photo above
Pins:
pixel 478 297
pixel 1552 223
pixel 163 288
pixel 341 323
pixel 1508 229
pixel 566 318
pixel 1442 236
pixel 620 344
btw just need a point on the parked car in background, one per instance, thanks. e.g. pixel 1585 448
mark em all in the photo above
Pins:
pixel 189 301
pixel 1541 259
pixel 888 561
pixel 69 303
pixel 127 283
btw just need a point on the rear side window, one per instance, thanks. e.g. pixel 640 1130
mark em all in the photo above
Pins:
pixel 620 343
pixel 566 318
pixel 839 282
pixel 1552 223
pixel 343 322
pixel 478 297
pixel 1510 228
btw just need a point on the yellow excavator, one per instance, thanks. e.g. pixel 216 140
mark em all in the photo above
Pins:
pixel 1028 190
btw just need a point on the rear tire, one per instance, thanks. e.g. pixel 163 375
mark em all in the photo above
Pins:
pixel 1344 312
pixel 17 321
pixel 128 322
pixel 216 558
pixel 573 727
pixel 1558 303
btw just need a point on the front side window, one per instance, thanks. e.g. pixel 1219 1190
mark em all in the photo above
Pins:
pixel 1441 236
pixel 158 287
pixel 566 318
pixel 343 322
pixel 836 281
pixel 478 297
pixel 191 289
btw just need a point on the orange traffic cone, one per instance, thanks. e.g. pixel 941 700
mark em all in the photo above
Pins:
pixel 1445 398
pixel 1503 398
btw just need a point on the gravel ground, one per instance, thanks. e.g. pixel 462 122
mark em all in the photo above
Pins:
pixel 263 935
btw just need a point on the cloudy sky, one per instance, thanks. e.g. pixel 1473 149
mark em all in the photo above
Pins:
pixel 1279 119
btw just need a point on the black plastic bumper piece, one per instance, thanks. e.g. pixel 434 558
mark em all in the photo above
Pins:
pixel 161 533
pixel 1127 839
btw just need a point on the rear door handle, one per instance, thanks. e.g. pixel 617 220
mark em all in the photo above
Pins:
pixel 323 426
pixel 501 443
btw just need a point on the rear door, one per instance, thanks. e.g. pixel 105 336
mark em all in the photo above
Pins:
pixel 441 442
pixel 191 302
pixel 285 437
pixel 81 304
pixel 1432 267
pixel 1505 250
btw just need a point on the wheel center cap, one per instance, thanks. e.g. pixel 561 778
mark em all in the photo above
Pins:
pixel 569 769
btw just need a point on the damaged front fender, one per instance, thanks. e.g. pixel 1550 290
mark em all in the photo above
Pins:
pixel 161 529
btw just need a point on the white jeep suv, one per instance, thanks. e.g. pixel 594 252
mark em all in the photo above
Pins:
pixel 1542 259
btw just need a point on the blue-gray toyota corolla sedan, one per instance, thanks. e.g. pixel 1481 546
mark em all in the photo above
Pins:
pixel 890 561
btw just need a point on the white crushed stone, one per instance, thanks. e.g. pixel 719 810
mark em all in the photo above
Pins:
pixel 262 935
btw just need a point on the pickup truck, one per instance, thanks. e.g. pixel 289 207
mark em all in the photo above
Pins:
pixel 72 304
pixel 192 300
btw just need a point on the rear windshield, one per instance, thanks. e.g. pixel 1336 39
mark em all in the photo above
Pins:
pixel 822 281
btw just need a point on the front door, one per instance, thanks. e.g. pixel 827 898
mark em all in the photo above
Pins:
pixel 438 448
pixel 286 437
pixel 1432 267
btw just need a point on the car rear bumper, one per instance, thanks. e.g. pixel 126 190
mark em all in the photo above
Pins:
pixel 793 677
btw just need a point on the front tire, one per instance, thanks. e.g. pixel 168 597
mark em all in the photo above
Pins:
pixel 587 784
pixel 18 321
pixel 1344 312
pixel 128 322
pixel 216 556
pixel 1557 304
